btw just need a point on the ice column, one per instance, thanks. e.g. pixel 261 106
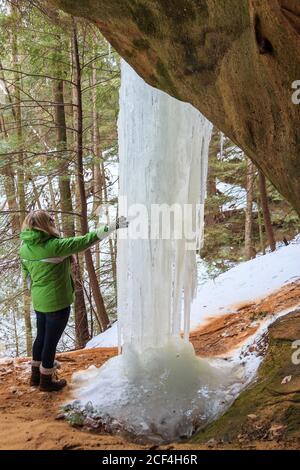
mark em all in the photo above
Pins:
pixel 163 149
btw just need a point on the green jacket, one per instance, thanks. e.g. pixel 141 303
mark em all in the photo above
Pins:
pixel 45 262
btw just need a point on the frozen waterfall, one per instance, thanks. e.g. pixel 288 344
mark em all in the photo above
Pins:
pixel 157 389
pixel 163 145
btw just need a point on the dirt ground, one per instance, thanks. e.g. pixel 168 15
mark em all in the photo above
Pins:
pixel 30 419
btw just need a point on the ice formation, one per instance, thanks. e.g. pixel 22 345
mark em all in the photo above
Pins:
pixel 157 388
pixel 163 145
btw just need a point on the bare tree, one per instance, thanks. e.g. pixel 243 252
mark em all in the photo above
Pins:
pixel 101 310
pixel 249 250
pixel 266 211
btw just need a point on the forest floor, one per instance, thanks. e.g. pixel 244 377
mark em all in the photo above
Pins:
pixel 31 419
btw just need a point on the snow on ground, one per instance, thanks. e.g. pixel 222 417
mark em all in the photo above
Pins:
pixel 105 340
pixel 237 194
pixel 246 282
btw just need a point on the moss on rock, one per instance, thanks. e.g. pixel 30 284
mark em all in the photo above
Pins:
pixel 270 408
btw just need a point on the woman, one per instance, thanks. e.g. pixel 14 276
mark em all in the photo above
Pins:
pixel 46 263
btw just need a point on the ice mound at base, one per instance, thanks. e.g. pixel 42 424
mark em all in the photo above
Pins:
pixel 162 395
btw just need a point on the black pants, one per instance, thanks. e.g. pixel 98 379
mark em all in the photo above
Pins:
pixel 50 327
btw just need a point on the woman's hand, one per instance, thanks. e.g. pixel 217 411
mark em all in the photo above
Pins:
pixel 106 230
pixel 121 222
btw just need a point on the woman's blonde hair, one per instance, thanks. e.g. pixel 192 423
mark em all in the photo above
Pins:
pixel 40 220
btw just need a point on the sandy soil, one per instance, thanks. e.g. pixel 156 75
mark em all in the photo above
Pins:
pixel 30 419
pixel 223 333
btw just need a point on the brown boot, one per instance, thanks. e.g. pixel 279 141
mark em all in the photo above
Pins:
pixel 35 373
pixel 49 382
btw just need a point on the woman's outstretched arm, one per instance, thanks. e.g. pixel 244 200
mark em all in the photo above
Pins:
pixel 71 245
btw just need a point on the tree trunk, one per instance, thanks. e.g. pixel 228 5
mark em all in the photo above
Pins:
pixel 211 179
pixel 101 311
pixel 27 318
pixel 249 251
pixel 53 201
pixel 110 241
pixel 266 211
pixel 16 334
pixel 97 175
pixel 81 320
pixel 64 177
pixel 10 189
pixel 21 178
pixel 261 235
pixel 18 120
